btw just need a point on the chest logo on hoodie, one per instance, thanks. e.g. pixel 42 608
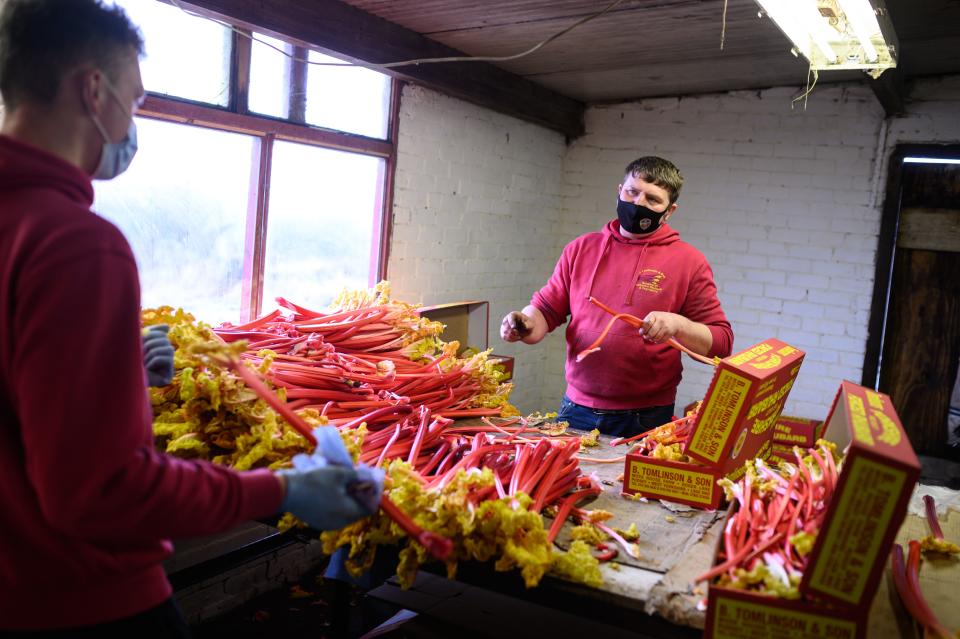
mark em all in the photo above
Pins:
pixel 649 281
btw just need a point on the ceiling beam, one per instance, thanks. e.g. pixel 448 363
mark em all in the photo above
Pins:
pixel 890 91
pixel 338 28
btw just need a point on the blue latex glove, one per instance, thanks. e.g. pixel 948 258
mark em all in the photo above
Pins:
pixel 158 355
pixel 325 490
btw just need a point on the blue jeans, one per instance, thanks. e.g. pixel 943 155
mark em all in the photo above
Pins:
pixel 618 423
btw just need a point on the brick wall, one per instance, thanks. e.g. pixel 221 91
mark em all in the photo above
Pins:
pixel 476 210
pixel 785 203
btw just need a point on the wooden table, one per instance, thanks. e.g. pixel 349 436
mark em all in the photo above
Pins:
pixel 656 597
pixel 652 596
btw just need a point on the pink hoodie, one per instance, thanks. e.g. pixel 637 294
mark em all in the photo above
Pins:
pixel 655 273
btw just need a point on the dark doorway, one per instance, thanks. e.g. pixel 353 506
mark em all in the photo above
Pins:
pixel 914 340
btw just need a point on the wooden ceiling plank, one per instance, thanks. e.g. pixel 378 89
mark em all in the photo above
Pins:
pixel 338 28
pixel 428 16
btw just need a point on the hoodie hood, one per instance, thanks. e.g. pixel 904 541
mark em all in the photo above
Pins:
pixel 663 235
pixel 24 167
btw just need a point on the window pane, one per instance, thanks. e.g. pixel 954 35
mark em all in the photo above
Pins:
pixel 323 223
pixel 187 56
pixel 269 77
pixel 352 99
pixel 183 207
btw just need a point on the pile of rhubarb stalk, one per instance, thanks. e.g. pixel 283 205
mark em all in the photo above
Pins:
pixel 366 357
pixel 777 514
pixel 248 396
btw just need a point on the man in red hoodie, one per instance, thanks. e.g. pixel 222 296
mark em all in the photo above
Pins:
pixel 638 265
pixel 87 506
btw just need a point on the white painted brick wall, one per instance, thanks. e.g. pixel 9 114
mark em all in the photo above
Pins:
pixel 476 211
pixel 784 202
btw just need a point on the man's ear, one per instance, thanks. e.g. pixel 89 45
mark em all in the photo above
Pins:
pixel 669 211
pixel 93 90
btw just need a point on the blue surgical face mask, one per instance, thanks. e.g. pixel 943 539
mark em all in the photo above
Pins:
pixel 116 156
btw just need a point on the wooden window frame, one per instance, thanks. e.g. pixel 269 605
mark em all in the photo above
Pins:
pixel 237 118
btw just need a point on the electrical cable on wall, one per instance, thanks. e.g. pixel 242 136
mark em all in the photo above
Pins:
pixel 415 61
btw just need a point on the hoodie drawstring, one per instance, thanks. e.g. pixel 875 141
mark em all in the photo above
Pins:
pixel 636 276
pixel 596 267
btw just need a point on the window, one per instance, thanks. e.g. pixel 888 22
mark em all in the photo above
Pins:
pixel 346 98
pixel 364 103
pixel 321 213
pixel 186 56
pixel 235 200
pixel 270 77
pixel 188 240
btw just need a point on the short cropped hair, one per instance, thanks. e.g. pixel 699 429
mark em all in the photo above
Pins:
pixel 41 40
pixel 661 172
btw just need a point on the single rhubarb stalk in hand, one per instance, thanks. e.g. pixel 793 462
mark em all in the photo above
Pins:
pixel 637 323
pixel 251 379
pixel 437 545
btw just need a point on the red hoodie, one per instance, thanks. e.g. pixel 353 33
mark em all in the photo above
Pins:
pixel 655 273
pixel 86 504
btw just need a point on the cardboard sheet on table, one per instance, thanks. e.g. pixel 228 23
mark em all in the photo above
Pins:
pixel 939 575
pixel 662 543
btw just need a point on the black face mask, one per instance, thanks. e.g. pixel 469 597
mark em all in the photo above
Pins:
pixel 638 219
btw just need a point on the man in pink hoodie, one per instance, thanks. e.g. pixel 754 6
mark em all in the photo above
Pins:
pixel 87 506
pixel 637 264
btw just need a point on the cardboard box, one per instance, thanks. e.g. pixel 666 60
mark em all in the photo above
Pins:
pixel 735 423
pixel 468 323
pixel 853 544
pixel 797 431
pixel 736 614
pixel 742 404
pixel 783 452
pixel 689 484
pixel 870 500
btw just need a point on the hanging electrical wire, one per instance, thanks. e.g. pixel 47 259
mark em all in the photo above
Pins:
pixel 415 61
pixel 803 96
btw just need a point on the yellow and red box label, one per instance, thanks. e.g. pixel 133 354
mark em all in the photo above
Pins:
pixel 869 502
pixel 853 536
pixel 735 614
pixel 680 482
pixel 745 398
pixel 796 431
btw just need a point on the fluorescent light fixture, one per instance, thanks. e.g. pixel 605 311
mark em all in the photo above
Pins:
pixel 863 19
pixel 837 34
pixel 921 160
